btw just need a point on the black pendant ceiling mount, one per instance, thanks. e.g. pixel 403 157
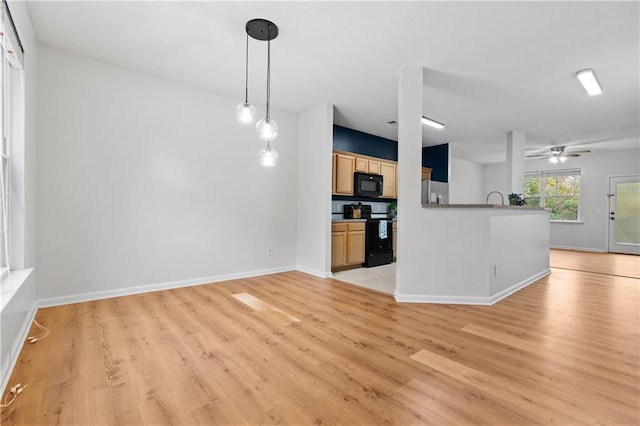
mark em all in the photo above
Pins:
pixel 262 29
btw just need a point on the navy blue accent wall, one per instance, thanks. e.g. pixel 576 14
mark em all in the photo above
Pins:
pixel 437 158
pixel 363 143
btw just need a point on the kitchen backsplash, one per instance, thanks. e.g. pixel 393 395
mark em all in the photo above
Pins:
pixel 379 209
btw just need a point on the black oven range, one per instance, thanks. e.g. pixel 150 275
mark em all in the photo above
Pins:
pixel 378 236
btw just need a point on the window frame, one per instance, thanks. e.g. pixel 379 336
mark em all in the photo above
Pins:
pixel 12 137
pixel 542 176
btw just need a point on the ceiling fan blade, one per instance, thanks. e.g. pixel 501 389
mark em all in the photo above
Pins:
pixel 539 156
pixel 579 151
pixel 570 154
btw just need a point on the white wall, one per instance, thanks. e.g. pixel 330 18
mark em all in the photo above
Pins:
pixel 455 249
pixel 143 181
pixel 465 182
pixel 518 249
pixel 595 170
pixel 315 129
pixel 16 314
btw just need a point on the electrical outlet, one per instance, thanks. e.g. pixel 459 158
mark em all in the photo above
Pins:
pixel 587 237
pixel 269 251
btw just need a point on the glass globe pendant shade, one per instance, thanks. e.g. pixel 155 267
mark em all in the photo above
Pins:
pixel 554 159
pixel 268 157
pixel 267 129
pixel 246 113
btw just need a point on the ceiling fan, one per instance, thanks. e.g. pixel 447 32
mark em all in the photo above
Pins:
pixel 558 154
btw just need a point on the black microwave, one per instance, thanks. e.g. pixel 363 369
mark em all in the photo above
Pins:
pixel 367 185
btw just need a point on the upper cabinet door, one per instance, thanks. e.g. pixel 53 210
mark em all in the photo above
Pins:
pixel 374 167
pixel 345 166
pixel 426 173
pixel 362 165
pixel 388 171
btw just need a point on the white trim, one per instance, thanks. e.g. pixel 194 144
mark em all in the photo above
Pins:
pixel 469 300
pixel 127 291
pixel 518 286
pixel 18 343
pixel 449 300
pixel 11 283
pixel 579 222
pixel 314 272
pixel 595 250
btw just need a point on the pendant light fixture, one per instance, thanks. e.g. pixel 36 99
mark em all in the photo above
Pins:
pixel 267 128
pixel 245 112
pixel 268 156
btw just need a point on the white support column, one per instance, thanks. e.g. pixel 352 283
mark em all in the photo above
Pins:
pixel 409 169
pixel 515 162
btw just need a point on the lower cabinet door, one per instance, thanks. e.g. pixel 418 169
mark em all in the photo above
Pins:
pixel 338 249
pixel 355 253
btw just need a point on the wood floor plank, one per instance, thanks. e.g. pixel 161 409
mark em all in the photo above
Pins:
pixel 564 350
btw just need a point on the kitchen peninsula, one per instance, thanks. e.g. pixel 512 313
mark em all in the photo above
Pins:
pixel 475 253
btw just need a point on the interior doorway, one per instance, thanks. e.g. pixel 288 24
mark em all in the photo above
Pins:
pixel 624 214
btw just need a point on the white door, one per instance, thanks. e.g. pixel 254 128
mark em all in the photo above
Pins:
pixel 624 214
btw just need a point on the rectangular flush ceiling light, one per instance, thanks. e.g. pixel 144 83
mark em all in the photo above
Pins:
pixel 589 81
pixel 432 123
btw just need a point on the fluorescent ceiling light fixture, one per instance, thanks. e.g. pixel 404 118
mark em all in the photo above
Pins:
pixel 589 81
pixel 432 123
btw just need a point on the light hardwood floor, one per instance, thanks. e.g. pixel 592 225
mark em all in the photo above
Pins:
pixel 293 349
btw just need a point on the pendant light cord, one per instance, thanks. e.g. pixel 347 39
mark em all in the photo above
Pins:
pixel 268 69
pixel 246 73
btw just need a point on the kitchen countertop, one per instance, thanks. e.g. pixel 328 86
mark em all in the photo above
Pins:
pixel 395 219
pixel 480 206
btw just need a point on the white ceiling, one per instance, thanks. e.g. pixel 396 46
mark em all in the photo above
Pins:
pixel 491 66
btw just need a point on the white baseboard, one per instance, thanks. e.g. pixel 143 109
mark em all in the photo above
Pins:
pixel 518 286
pixel 469 300
pixel 127 291
pixel 314 272
pixel 448 300
pixel 18 342
pixel 594 250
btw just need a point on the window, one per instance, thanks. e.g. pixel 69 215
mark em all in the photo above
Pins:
pixel 557 190
pixel 11 129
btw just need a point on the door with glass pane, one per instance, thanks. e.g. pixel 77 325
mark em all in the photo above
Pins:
pixel 624 214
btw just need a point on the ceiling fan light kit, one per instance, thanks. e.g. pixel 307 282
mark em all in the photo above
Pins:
pixel 589 81
pixel 558 154
pixel 267 128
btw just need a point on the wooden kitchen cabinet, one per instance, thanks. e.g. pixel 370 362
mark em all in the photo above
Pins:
pixel 426 173
pixel 347 244
pixel 373 167
pixel 362 165
pixel 388 172
pixel 346 163
pixel 338 245
pixel 333 175
pixel 355 243
pixel 344 168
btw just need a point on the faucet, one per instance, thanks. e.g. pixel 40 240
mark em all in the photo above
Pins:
pixel 496 192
